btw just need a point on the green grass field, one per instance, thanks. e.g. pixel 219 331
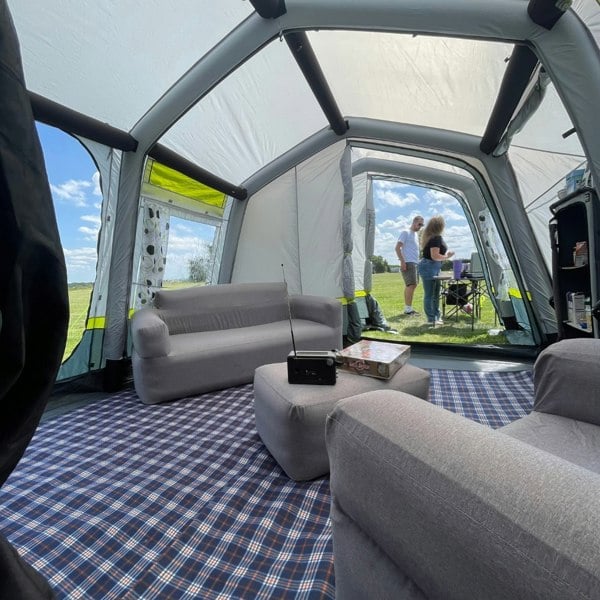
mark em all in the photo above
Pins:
pixel 79 302
pixel 388 289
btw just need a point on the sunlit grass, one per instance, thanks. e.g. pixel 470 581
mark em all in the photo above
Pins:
pixel 79 302
pixel 388 290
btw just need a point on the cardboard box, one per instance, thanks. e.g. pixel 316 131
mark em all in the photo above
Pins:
pixel 374 359
pixel 580 254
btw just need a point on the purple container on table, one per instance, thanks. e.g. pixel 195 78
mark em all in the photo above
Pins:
pixel 457 267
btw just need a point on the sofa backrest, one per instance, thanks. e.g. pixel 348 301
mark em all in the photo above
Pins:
pixel 223 306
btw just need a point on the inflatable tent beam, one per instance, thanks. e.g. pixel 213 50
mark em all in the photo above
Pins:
pixel 54 114
pixel 269 9
pixel 173 160
pixel 302 51
pixel 521 66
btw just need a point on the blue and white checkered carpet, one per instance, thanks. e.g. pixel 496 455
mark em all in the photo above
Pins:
pixel 182 500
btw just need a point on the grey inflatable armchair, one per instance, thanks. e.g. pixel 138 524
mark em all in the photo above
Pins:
pixel 427 504
pixel 200 339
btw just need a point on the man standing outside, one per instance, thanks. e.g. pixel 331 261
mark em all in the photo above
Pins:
pixel 407 251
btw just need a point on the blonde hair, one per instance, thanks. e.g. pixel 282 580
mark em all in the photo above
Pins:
pixel 435 226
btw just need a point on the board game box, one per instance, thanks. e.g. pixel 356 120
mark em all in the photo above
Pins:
pixel 374 359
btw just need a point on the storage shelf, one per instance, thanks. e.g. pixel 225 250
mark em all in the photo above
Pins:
pixel 575 219
pixel 575 326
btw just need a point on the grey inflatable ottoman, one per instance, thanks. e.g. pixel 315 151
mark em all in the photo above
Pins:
pixel 290 418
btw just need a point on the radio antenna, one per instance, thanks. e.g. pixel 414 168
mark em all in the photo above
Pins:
pixel 287 296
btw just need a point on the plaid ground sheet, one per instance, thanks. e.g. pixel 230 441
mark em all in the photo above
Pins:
pixel 182 500
pixel 493 399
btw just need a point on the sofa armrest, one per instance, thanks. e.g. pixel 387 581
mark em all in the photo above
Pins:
pixel 321 309
pixel 567 379
pixel 460 510
pixel 150 334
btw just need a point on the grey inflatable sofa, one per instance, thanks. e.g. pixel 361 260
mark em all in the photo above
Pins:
pixel 204 338
pixel 427 504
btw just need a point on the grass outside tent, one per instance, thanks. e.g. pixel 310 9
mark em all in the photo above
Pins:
pixel 388 289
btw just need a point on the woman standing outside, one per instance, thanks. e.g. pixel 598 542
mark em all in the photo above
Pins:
pixel 435 252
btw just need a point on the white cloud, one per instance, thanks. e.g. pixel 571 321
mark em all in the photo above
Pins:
pixel 453 215
pixel 386 184
pixel 179 226
pixel 97 191
pixel 90 233
pixel 72 191
pixel 460 239
pixel 391 197
pixel 385 244
pixel 438 198
pixel 182 249
pixel 81 264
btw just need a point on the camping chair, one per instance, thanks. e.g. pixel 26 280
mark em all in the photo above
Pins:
pixel 455 296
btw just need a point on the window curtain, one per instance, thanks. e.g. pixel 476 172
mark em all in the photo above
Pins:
pixel 369 238
pixel 152 259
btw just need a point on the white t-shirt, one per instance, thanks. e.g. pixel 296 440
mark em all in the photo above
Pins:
pixel 410 245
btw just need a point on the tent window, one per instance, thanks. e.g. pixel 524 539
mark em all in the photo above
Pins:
pixel 174 248
pixel 75 186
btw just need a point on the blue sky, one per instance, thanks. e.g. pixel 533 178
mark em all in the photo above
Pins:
pixel 74 183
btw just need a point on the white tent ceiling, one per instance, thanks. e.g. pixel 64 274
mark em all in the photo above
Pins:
pixel 114 61
pixel 217 84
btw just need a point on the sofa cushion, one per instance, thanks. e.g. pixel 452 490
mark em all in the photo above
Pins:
pixel 566 379
pixel 150 334
pixel 219 307
pixel 575 441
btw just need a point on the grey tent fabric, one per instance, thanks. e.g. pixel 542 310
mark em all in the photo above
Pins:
pixel 33 296
pixel 347 267
pixel 369 238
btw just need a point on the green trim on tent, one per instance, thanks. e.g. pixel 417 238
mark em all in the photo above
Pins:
pixel 166 184
pixel 516 293
pixel 357 294
pixel 96 323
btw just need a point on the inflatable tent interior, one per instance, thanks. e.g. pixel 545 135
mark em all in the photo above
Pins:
pixel 271 120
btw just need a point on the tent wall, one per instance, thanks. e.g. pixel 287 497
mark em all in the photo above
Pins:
pixel 361 190
pixel 296 220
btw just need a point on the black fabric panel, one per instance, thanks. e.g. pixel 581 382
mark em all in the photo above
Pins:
pixel 33 289
pixel 520 68
pixel 544 12
pixel 18 581
pixel 269 9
